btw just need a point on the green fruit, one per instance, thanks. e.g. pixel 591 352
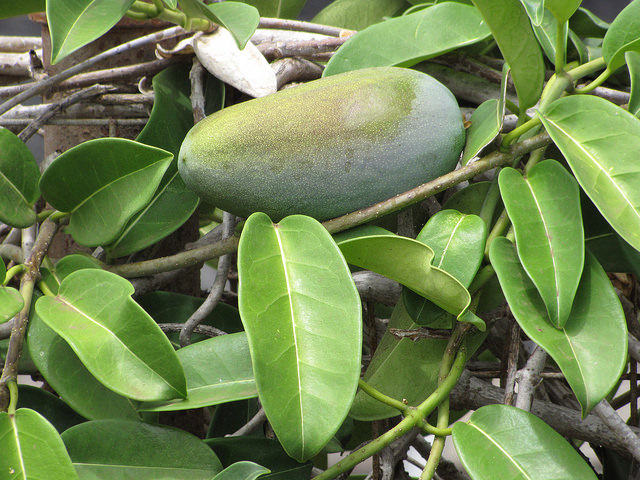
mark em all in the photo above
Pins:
pixel 327 147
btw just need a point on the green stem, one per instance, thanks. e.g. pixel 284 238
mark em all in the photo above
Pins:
pixel 12 272
pixel 431 430
pixel 12 385
pixel 490 201
pixel 59 216
pixel 44 288
pixel 600 79
pixel 514 134
pixel 561 45
pixel 40 217
pixel 414 418
pixel 485 274
pixel 588 68
pixel 381 397
pixel 534 157
pixel 502 223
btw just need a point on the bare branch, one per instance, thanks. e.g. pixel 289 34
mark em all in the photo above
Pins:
pixel 257 420
pixel 627 437
pixel 529 378
pixel 11 43
pixel 303 26
pixel 47 83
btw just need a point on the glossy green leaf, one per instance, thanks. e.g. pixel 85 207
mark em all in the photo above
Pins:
pixel 535 10
pixel 3 271
pixel 601 143
pixel 402 368
pixel 134 450
pixel 591 348
pixel 544 208
pixel 458 242
pixel 623 36
pixel 172 203
pixel 74 23
pixel 500 441
pixel 58 413
pixel 469 200
pixel 405 41
pixel 74 262
pixel 360 231
pixel 239 18
pixel 486 123
pixel 357 15
pixel 24 7
pixel 562 10
pixel 95 314
pixel 278 8
pixel 63 370
pixel 633 64
pixel 512 31
pixel 302 314
pixel 408 262
pixel 242 471
pixel 262 451
pixel 586 24
pixel 19 175
pixel 103 183
pixel 11 302
pixel 217 370
pixel 31 448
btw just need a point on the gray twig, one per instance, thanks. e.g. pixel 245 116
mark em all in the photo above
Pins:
pixel 512 362
pixel 55 108
pixel 283 24
pixel 295 70
pixel 196 76
pixel 529 378
pixel 257 420
pixel 45 84
pixel 13 253
pixel 5 329
pixel 627 437
pixel 224 265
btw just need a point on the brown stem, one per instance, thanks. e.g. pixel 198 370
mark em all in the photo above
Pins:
pixel 30 276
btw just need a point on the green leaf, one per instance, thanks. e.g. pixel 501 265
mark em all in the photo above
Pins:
pixel 408 262
pixel 11 302
pixel 535 10
pixel 562 10
pixel 633 64
pixel 512 31
pixel 402 368
pixel 113 336
pixel 74 23
pixel 172 203
pixel 217 370
pixel 407 40
pixel 544 208
pixel 3 271
pixel 601 143
pixel 623 36
pixel 58 413
pixel 103 183
pixel 302 314
pixel 55 361
pixel 500 441
pixel 458 241
pixel 31 448
pixel 357 15
pixel 591 348
pixel 135 450
pixel 486 123
pixel 262 451
pixel 586 24
pixel 24 7
pixel 239 18
pixel 278 8
pixel 469 200
pixel 242 471
pixel 19 175
pixel 547 35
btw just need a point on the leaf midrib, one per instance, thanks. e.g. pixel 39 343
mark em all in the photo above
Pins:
pixel 295 336
pixel 499 447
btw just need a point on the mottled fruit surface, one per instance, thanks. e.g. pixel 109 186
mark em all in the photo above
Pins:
pixel 327 147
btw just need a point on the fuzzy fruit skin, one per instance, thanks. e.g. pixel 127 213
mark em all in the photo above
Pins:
pixel 325 148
